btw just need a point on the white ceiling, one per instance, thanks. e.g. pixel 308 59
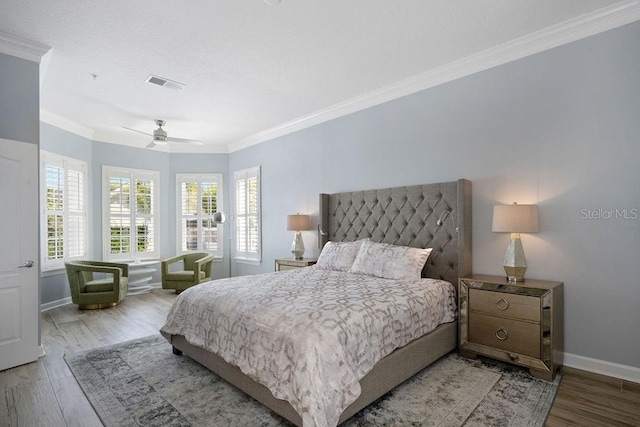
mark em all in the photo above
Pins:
pixel 255 71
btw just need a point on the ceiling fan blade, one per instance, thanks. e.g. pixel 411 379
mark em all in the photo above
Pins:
pixel 187 141
pixel 150 145
pixel 135 130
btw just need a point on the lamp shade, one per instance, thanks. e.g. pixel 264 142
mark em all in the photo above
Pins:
pixel 297 222
pixel 515 218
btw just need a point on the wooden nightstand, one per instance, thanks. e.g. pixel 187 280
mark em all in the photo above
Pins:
pixel 521 322
pixel 283 264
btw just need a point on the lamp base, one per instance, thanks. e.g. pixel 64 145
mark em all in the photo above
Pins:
pixel 514 279
pixel 515 264
pixel 297 247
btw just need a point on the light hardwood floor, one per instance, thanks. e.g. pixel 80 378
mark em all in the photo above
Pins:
pixel 45 393
pixel 587 399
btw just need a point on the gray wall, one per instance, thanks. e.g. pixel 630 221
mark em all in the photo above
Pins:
pixel 559 129
pixel 19 99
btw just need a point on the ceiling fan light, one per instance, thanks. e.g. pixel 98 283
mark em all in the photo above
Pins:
pixel 160 136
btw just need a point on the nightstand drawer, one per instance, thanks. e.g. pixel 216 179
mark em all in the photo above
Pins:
pixel 506 334
pixel 503 304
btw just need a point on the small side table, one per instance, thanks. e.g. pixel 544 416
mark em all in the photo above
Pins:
pixel 283 264
pixel 140 276
pixel 520 322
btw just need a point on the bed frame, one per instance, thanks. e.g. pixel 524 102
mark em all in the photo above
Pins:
pixel 432 215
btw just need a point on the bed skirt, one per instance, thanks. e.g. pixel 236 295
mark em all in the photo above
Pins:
pixel 387 374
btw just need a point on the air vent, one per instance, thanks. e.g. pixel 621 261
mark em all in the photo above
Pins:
pixel 161 81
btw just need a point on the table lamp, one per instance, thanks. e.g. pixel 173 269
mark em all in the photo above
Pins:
pixel 296 223
pixel 515 219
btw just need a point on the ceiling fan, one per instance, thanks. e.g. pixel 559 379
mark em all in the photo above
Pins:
pixel 160 136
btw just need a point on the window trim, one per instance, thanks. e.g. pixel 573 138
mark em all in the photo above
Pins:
pixel 133 174
pixel 66 163
pixel 199 178
pixel 245 256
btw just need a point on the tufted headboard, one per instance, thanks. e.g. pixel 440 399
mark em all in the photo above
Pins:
pixel 407 216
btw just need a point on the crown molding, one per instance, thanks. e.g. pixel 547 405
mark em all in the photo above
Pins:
pixel 598 21
pixel 22 48
pixel 65 124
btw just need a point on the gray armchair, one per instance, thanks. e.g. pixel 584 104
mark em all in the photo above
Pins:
pixel 195 269
pixel 89 292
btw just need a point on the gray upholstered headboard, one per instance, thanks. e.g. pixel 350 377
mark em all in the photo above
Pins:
pixel 407 216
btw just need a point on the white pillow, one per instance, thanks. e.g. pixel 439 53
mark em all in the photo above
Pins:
pixel 338 256
pixel 390 261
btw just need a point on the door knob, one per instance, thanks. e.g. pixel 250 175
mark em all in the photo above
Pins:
pixel 27 264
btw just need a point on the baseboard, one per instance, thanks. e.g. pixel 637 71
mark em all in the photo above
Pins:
pixel 53 304
pixel 609 369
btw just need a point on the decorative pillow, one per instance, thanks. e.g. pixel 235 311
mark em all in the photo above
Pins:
pixel 339 256
pixel 390 261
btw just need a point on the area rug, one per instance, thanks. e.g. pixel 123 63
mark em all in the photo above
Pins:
pixel 141 382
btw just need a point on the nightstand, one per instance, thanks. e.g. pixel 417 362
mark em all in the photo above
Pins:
pixel 520 323
pixel 283 264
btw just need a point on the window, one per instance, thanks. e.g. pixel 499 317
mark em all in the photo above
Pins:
pixel 199 197
pixel 247 187
pixel 64 218
pixel 130 209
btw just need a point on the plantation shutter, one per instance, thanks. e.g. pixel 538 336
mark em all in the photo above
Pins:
pixel 130 227
pixel 247 188
pixel 76 212
pixel 198 202
pixel 119 215
pixel 64 210
pixel 145 215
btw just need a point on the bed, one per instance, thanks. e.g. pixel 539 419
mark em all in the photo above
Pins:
pixel 436 216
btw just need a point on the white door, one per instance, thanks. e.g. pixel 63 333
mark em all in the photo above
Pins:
pixel 19 301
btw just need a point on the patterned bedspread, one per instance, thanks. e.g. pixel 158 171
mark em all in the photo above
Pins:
pixel 307 334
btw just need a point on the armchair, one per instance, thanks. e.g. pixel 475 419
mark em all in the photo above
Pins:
pixel 91 293
pixel 196 268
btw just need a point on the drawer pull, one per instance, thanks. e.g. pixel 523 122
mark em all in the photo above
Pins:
pixel 502 334
pixel 502 304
